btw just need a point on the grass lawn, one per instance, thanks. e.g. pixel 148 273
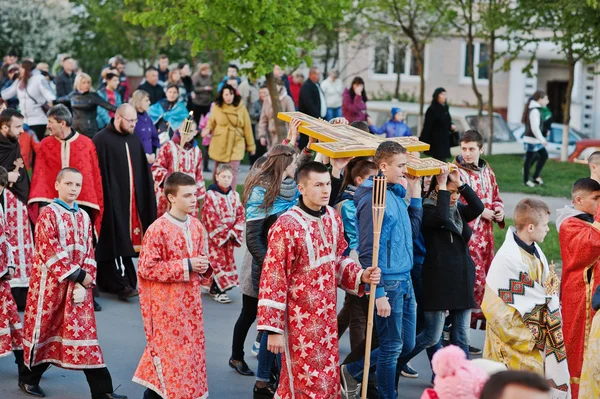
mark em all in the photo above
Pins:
pixel 558 176
pixel 550 245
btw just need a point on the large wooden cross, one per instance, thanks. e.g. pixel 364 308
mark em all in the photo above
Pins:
pixel 345 141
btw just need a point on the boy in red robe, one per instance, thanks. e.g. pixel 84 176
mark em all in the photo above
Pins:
pixel 478 174
pixel 579 235
pixel 172 262
pixel 223 216
pixel 11 329
pixel 303 267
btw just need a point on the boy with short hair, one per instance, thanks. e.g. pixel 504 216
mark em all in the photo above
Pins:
pixel 11 329
pixel 172 262
pixel 59 324
pixel 478 174
pixel 579 237
pixel 521 305
pixel 594 164
pixel 223 216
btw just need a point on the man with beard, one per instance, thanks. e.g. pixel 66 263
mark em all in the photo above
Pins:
pixel 129 202
pixel 14 201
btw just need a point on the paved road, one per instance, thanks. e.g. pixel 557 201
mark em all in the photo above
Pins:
pixel 122 339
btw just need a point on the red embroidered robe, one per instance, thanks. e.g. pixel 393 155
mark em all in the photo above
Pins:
pixel 11 329
pixel 20 237
pixel 174 361
pixel 481 246
pixel 56 330
pixel 298 295
pixel 580 252
pixel 190 162
pixel 55 154
pixel 223 217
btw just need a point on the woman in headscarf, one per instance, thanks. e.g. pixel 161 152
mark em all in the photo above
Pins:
pixel 438 126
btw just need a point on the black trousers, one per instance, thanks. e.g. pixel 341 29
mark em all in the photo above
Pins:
pixel 99 380
pixel 242 326
pixel 117 275
pixel 358 352
pixel 40 131
pixel 539 157
pixel 150 394
pixel 20 296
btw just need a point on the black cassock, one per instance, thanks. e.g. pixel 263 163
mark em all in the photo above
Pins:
pixel 115 249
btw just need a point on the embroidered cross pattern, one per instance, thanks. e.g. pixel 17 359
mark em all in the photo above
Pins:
pixel 345 141
pixel 515 287
pixel 546 326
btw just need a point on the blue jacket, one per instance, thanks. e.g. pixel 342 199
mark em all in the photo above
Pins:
pixel 401 224
pixel 391 129
pixel 173 116
pixel 419 249
pixel 347 210
pixel 102 117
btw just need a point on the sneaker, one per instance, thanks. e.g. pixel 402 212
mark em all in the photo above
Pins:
pixel 350 387
pixel 408 372
pixel 539 181
pixel 255 348
pixel 529 183
pixel 474 351
pixel 222 298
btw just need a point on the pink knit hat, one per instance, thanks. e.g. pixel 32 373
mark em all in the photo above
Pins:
pixel 455 376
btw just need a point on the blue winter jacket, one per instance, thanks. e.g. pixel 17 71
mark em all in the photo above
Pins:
pixel 401 224
pixel 102 116
pixel 391 129
pixel 347 210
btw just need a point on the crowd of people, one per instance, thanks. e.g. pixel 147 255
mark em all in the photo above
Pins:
pixel 119 175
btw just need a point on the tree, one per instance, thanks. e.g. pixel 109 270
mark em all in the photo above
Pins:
pixel 573 27
pixel 39 29
pixel 263 33
pixel 419 20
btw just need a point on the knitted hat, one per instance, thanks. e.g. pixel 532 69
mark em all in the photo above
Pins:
pixel 455 376
pixel 395 110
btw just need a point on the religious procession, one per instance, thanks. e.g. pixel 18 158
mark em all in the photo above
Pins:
pixel 280 229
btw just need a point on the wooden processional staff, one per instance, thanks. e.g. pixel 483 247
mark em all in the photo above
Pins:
pixel 379 193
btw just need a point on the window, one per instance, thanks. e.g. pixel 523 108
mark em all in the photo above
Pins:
pixel 389 59
pixel 481 58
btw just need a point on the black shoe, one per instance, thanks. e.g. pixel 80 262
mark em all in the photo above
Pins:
pixel 97 306
pixel 127 293
pixel 109 396
pixel 33 390
pixel 474 351
pixel 264 393
pixel 241 367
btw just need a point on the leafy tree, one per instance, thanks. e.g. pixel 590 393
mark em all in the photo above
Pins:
pixel 263 33
pixel 36 28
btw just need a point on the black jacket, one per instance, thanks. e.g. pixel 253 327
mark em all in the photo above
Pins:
pixel 309 102
pixel 257 233
pixel 448 269
pixel 436 131
pixel 85 107
pixel 156 92
pixel 64 83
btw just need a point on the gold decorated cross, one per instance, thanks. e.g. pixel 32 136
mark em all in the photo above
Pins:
pixel 345 141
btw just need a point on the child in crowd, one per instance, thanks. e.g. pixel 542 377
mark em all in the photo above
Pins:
pixel 521 297
pixel 478 174
pixel 224 218
pixel 395 127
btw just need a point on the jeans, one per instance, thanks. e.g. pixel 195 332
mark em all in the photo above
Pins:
pixel 396 336
pixel 539 157
pixel 432 331
pixel 333 113
pixel 265 360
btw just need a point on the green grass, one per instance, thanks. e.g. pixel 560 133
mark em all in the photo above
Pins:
pixel 558 176
pixel 550 246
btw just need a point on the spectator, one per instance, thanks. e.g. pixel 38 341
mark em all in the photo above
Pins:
pixel 333 88
pixel 45 71
pixel 395 127
pixel 175 80
pixel 232 73
pixel 248 91
pixel 311 100
pixel 255 112
pixel 535 142
pixel 516 385
pixel 267 127
pixel 438 126
pixel 111 95
pixel 279 73
pixel 85 104
pixel 354 102
pixel 163 69
pixel 9 59
pixel 151 85
pixel 186 79
pixel 66 78
pixel 202 91
pixel 144 128
pixel 232 131
pixel 12 75
pixel 168 113
pixel 33 92
pixel 296 81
